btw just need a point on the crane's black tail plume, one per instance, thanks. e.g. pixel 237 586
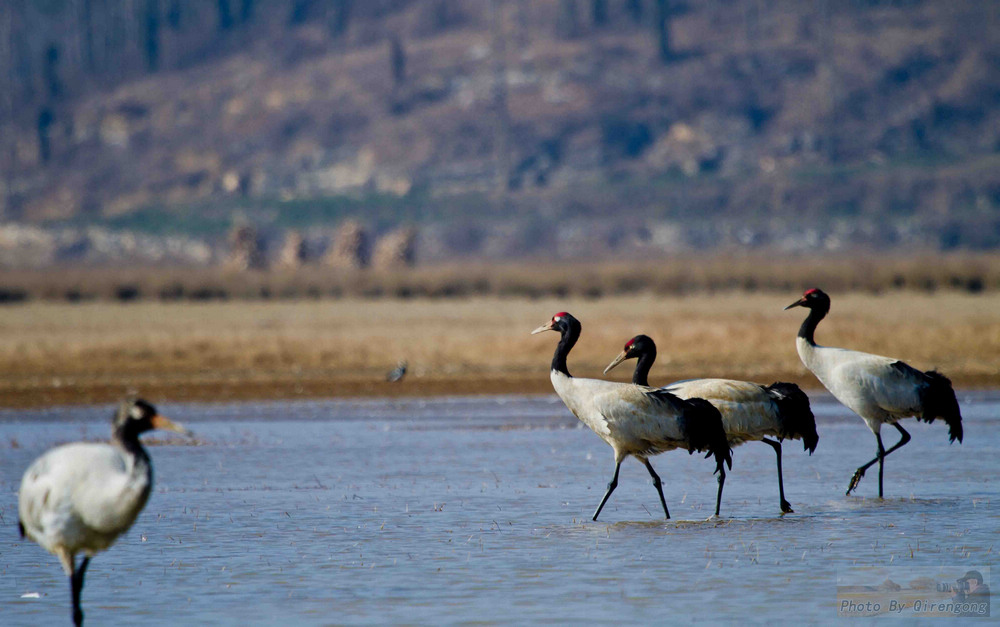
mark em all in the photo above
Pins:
pixel 20 528
pixel 705 433
pixel 938 401
pixel 794 413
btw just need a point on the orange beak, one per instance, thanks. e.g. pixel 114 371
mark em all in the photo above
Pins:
pixel 166 424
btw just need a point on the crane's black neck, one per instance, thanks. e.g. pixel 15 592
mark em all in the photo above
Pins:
pixel 570 329
pixel 128 439
pixel 808 327
pixel 640 376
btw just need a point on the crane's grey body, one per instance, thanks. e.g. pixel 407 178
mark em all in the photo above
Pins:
pixel 879 389
pixel 78 498
pixel 627 417
pixel 750 412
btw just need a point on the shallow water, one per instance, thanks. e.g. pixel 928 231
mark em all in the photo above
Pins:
pixel 477 510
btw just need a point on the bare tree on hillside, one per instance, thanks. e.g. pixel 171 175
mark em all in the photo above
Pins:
pixel 662 25
pixel 340 18
pixel 397 61
pixel 225 15
pixel 246 11
pixel 501 130
pixel 151 18
pixel 568 20
pixel 50 72
pixel 636 10
pixel 86 13
pixel 174 15
pixel 523 21
pixel 300 11
pixel 8 142
pixel 599 13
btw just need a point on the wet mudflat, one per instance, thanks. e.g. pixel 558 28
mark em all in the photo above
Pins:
pixel 477 510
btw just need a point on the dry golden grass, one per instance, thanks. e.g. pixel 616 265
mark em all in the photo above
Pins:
pixel 70 353
pixel 687 274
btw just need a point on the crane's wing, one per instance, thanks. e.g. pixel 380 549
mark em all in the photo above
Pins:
pixel 49 484
pixel 642 415
pixel 726 390
pixel 748 411
pixel 77 481
pixel 865 382
pixel 751 411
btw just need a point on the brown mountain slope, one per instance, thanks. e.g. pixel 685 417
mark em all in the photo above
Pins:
pixel 884 110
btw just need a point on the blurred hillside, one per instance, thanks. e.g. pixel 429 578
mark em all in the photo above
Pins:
pixel 502 128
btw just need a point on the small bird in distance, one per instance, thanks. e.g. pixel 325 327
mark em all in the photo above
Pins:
pixel 397 373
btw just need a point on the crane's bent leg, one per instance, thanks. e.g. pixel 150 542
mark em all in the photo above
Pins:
pixel 722 482
pixel 611 488
pixel 76 587
pixel 860 472
pixel 659 486
pixel 786 507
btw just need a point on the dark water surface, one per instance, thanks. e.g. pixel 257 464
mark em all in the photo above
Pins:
pixel 477 510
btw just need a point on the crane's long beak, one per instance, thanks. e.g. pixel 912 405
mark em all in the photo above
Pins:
pixel 166 424
pixel 545 327
pixel 622 356
pixel 799 303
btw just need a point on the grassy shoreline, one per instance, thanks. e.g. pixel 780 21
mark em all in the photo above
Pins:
pixel 677 275
pixel 58 353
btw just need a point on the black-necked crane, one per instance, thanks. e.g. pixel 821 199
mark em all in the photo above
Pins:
pixel 636 420
pixel 79 497
pixel 750 411
pixel 881 390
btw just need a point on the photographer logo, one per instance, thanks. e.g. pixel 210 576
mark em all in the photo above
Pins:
pixel 914 592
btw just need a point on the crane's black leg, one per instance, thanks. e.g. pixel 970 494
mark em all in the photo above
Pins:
pixel 881 462
pixel 611 488
pixel 902 440
pixel 722 482
pixel 860 472
pixel 786 507
pixel 659 486
pixel 76 587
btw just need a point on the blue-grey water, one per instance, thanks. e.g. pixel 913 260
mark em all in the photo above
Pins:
pixel 477 510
